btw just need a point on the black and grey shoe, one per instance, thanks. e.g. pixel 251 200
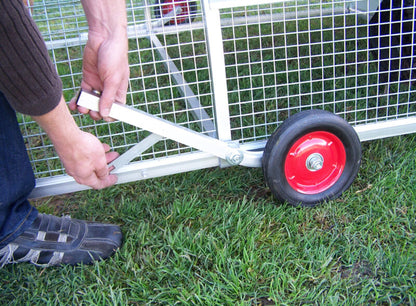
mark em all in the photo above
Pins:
pixel 52 241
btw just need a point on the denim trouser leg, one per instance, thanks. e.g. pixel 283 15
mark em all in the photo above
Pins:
pixel 16 178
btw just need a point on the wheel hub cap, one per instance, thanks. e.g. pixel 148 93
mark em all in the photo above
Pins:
pixel 315 162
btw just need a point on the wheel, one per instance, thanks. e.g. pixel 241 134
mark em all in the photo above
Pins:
pixel 312 157
pixel 187 14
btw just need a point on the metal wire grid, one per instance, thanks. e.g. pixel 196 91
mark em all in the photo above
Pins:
pixel 161 58
pixel 280 58
pixel 293 55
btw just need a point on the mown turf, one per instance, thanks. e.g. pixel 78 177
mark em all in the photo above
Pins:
pixel 217 237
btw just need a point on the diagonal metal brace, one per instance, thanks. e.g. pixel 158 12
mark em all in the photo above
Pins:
pixel 172 131
pixel 135 151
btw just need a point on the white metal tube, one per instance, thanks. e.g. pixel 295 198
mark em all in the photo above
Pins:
pixel 132 172
pixel 217 69
pixel 383 129
pixel 142 30
pixel 196 108
pixel 158 126
pixel 135 151
pixel 219 4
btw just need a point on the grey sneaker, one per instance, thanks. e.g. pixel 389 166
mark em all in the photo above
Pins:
pixel 52 241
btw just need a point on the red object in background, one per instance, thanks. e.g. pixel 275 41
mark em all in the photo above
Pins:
pixel 188 10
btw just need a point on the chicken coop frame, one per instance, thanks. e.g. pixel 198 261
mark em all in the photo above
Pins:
pixel 223 75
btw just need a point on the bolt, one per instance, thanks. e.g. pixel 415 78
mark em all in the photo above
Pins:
pixel 315 162
pixel 235 157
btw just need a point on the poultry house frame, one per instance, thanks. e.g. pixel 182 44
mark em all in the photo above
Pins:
pixel 212 80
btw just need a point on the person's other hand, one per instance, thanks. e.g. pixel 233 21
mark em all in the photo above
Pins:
pixel 86 160
pixel 83 155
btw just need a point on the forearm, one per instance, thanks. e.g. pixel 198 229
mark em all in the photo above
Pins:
pixel 106 17
pixel 59 125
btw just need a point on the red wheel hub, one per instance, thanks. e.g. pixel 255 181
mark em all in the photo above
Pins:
pixel 170 5
pixel 315 162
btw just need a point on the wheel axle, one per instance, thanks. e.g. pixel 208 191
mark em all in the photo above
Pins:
pixel 315 162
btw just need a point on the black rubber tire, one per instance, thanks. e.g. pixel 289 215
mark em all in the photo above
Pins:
pixel 287 134
pixel 193 7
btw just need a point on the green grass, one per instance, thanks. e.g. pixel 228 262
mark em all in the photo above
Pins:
pixel 217 237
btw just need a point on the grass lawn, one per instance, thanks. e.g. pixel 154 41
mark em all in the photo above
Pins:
pixel 218 237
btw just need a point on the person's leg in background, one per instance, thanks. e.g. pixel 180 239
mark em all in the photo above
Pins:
pixel 16 178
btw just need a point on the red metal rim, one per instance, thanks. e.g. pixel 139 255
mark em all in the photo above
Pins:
pixel 169 5
pixel 315 162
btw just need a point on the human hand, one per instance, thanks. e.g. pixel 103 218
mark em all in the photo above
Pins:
pixel 84 157
pixel 86 160
pixel 105 69
pixel 105 61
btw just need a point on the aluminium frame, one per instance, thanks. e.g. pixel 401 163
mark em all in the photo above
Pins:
pixel 215 149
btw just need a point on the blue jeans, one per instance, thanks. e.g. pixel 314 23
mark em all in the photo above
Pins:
pixel 16 178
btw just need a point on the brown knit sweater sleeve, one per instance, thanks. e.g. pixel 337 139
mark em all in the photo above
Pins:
pixel 28 77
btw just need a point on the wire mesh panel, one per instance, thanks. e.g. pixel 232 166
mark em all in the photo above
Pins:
pixel 164 51
pixel 293 55
pixel 353 58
